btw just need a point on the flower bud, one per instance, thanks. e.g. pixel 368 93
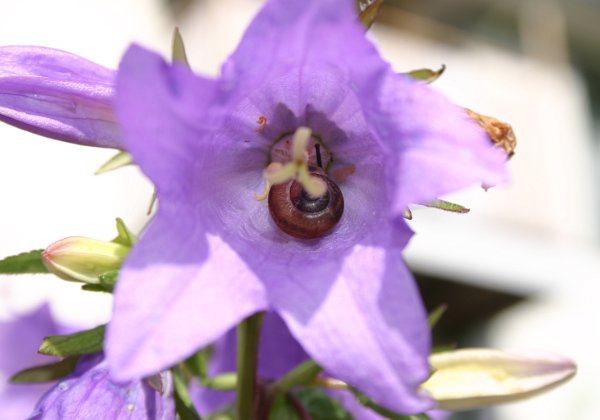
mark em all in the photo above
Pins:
pixel 473 378
pixel 83 259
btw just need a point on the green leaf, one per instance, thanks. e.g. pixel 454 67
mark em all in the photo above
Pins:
pixel 178 53
pixel 84 342
pixel 45 373
pixel 24 263
pixel 183 403
pixel 368 11
pixel 436 315
pixel 119 160
pixel 448 206
pixel 320 406
pixel 427 75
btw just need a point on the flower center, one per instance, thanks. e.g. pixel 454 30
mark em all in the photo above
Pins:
pixel 303 201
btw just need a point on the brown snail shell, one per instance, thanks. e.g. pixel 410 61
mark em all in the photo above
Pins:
pixel 299 215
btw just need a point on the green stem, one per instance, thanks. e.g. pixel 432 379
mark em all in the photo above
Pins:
pixel 248 332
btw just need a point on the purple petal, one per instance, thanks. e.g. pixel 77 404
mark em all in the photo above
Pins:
pixel 58 95
pixel 21 339
pixel 163 111
pixel 362 320
pixel 437 148
pixel 287 35
pixel 90 393
pixel 180 289
pixel 182 286
pixel 279 353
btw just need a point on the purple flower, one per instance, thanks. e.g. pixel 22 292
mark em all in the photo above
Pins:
pixel 90 393
pixel 21 339
pixel 213 255
pixel 85 393
pixel 58 95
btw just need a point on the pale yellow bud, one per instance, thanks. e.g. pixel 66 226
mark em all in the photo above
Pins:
pixel 83 259
pixel 471 378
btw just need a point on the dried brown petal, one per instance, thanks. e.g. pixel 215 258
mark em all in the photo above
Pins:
pixel 501 133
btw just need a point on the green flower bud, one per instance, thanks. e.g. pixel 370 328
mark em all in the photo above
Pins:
pixel 83 259
pixel 473 378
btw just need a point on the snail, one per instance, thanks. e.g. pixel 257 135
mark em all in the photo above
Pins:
pixel 302 216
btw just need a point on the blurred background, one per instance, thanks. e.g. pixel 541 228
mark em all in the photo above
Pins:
pixel 520 271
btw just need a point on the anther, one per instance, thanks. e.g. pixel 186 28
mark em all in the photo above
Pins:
pixel 318 153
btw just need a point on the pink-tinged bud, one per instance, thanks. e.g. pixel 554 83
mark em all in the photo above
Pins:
pixel 472 378
pixel 83 259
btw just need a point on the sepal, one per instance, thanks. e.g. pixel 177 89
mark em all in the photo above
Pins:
pixel 448 206
pixel 119 160
pixel 368 11
pixel 427 75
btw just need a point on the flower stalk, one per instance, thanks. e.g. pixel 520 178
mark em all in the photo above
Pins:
pixel 248 335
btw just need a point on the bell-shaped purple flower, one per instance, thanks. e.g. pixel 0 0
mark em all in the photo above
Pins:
pixel 213 254
pixel 58 95
pixel 90 393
